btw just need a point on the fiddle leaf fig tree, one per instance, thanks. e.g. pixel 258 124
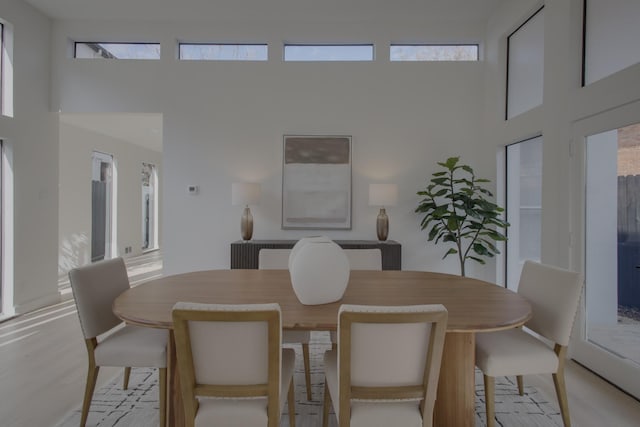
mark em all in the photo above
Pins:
pixel 457 210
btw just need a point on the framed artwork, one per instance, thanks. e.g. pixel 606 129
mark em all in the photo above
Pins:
pixel 316 182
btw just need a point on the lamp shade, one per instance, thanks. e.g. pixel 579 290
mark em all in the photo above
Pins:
pixel 245 193
pixel 383 194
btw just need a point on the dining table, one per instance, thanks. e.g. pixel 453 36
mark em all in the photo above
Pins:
pixel 474 306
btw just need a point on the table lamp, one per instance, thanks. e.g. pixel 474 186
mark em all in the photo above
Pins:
pixel 383 195
pixel 245 193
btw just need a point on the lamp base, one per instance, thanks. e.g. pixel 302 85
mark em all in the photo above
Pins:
pixel 382 225
pixel 246 224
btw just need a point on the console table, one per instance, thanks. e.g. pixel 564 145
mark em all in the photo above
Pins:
pixel 245 254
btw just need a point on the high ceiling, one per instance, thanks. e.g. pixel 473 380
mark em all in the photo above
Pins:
pixel 276 10
pixel 146 130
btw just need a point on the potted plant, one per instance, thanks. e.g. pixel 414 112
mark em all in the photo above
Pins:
pixel 457 209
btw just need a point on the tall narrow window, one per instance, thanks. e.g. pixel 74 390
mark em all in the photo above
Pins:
pixel 2 284
pixel 101 206
pixel 6 68
pixel 611 37
pixel 525 66
pixel 524 206
pixel 149 206
pixel 1 67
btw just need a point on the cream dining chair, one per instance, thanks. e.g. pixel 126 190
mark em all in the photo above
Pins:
pixel 233 369
pixel 278 259
pixel 554 294
pixel 364 259
pixel 361 259
pixel 109 342
pixel 385 370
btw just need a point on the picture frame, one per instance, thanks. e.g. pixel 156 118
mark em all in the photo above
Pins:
pixel 316 182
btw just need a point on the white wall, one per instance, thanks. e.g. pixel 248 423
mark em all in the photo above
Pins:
pixel 223 122
pixel 31 142
pixel 76 148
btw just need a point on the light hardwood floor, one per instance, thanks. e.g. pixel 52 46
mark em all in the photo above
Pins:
pixel 43 367
pixel 43 358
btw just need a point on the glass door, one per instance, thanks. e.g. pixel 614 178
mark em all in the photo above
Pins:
pixel 610 338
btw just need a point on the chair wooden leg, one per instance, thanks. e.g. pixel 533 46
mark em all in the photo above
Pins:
pixel 489 396
pixel 92 376
pixel 520 380
pixel 325 406
pixel 561 391
pixel 162 395
pixel 307 368
pixel 561 388
pixel 292 405
pixel 125 381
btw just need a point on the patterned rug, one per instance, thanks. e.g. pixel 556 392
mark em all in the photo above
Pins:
pixel 138 406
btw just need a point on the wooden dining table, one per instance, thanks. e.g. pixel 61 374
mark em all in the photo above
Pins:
pixel 474 306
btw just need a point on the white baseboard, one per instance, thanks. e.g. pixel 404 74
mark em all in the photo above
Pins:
pixel 37 303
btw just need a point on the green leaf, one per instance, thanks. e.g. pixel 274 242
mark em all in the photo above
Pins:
pixel 480 249
pixel 468 169
pixel 433 232
pixel 451 162
pixel 449 237
pixel 439 181
pixel 451 251
pixel 490 246
pixel 440 211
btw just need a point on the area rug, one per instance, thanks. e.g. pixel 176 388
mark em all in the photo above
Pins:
pixel 138 406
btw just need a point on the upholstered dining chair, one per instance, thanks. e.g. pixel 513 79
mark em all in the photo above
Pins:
pixel 109 342
pixel 233 369
pixel 385 370
pixel 278 259
pixel 554 294
pixel 364 259
pixel 361 259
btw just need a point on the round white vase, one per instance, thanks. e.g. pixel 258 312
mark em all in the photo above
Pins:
pixel 319 271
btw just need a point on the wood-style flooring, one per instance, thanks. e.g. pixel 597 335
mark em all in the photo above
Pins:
pixel 43 366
